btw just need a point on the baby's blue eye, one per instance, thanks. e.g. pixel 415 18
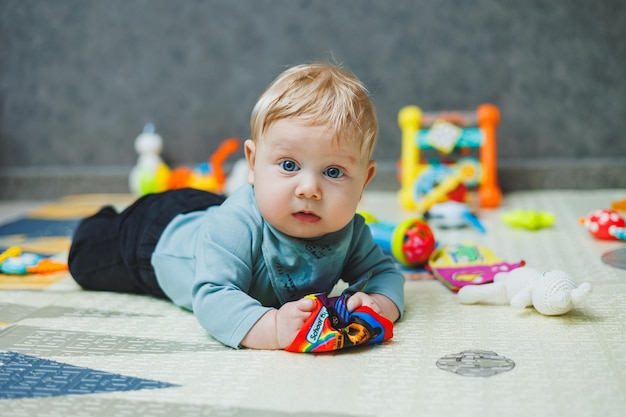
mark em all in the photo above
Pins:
pixel 333 173
pixel 289 166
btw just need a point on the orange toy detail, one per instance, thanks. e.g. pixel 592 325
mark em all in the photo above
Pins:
pixel 489 192
pixel 228 147
pixel 46 266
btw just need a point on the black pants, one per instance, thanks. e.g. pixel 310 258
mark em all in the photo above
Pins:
pixel 111 251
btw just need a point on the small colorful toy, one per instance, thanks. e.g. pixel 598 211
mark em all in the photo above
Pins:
pixel 459 265
pixel 208 176
pixel 152 175
pixel 529 219
pixel 332 327
pixel 551 293
pixel 452 135
pixel 452 214
pixel 605 224
pixel 15 262
pixel 410 243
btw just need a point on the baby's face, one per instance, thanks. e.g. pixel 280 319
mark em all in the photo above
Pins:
pixel 305 183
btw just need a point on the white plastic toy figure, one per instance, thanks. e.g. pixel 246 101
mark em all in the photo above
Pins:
pixel 551 293
pixel 148 146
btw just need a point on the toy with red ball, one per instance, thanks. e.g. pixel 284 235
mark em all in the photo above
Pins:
pixel 411 242
pixel 605 224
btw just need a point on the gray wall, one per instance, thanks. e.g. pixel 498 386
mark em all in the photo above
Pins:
pixel 78 79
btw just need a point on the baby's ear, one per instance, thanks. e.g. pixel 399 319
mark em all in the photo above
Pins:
pixel 371 172
pixel 250 151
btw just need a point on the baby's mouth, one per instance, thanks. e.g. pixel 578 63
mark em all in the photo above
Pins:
pixel 307 217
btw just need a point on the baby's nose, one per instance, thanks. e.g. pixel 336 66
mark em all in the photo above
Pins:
pixel 308 187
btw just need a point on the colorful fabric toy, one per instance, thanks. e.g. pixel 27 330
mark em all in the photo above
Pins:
pixel 466 264
pixel 551 293
pixel 332 327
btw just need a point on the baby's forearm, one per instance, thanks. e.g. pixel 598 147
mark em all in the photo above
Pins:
pixel 263 334
pixel 276 329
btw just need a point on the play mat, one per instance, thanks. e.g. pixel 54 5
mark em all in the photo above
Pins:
pixel 64 351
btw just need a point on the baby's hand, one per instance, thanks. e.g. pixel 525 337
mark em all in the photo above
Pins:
pixel 377 302
pixel 360 299
pixel 290 318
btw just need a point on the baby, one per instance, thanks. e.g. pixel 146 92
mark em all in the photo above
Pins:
pixel 244 264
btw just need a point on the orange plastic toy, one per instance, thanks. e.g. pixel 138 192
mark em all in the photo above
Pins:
pixel 451 136
pixel 213 178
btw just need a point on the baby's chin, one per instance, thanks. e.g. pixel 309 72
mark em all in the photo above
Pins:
pixel 309 231
pixel 305 235
pixel 302 231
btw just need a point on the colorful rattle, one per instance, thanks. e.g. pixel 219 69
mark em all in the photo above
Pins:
pixel 411 242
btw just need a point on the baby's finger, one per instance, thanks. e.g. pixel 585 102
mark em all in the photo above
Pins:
pixel 361 299
pixel 354 302
pixel 306 304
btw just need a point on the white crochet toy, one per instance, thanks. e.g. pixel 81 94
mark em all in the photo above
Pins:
pixel 551 293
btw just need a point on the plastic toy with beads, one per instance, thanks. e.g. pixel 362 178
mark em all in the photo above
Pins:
pixel 605 224
pixel 450 137
pixel 410 243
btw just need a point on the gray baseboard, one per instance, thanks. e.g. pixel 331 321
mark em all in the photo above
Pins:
pixel 42 183
pixel 538 174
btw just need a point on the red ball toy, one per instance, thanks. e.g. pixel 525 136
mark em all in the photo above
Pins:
pixel 600 223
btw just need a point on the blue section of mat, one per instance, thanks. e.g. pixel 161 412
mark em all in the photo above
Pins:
pixel 39 227
pixel 24 376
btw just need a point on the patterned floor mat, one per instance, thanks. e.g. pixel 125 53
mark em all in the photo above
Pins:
pixel 47 231
pixel 76 353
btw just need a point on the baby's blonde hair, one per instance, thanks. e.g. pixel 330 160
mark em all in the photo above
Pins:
pixel 321 94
